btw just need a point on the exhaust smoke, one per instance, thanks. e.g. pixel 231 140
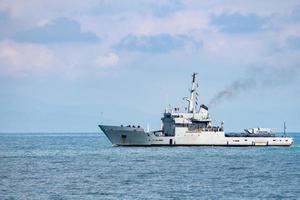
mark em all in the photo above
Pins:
pixel 257 77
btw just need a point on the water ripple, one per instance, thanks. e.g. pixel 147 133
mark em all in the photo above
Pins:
pixel 72 166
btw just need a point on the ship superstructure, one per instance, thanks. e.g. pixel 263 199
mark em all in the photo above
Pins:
pixel 191 127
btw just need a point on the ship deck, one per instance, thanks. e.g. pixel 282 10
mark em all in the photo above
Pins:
pixel 250 135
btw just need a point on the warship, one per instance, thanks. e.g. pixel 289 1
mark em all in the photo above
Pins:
pixel 191 127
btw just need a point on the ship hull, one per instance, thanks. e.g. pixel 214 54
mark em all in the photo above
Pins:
pixel 132 136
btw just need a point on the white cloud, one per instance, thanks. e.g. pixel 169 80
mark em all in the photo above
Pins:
pixel 71 62
pixel 261 8
pixel 42 8
pixel 107 60
pixel 21 59
pixel 193 19
pixel 179 23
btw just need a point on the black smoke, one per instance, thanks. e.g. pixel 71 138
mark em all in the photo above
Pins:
pixel 257 77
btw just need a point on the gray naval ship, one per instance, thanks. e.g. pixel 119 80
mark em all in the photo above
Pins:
pixel 192 127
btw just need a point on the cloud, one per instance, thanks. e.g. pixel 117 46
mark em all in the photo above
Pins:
pixel 3 16
pixel 295 15
pixel 293 42
pixel 161 43
pixel 5 23
pixel 180 23
pixel 22 59
pixel 168 8
pixel 107 60
pixel 61 30
pixel 238 23
pixel 69 61
pixel 160 9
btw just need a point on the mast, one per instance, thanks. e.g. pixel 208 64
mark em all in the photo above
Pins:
pixel 192 99
pixel 284 128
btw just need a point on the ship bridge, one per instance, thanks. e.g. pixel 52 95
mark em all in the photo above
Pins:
pixel 193 118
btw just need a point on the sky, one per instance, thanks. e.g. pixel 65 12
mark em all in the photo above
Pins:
pixel 67 66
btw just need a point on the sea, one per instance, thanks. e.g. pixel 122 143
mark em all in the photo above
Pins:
pixel 86 166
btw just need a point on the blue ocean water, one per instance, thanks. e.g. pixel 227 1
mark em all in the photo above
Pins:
pixel 86 166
